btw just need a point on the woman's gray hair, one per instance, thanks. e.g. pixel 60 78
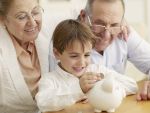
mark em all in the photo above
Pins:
pixel 5 5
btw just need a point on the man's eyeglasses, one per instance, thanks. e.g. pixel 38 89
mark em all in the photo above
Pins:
pixel 97 28
pixel 35 14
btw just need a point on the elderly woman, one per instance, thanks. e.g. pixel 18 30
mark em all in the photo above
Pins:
pixel 23 55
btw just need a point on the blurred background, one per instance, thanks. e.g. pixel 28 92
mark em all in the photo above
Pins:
pixel 137 15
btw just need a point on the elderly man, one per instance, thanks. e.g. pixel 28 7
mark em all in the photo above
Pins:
pixel 105 17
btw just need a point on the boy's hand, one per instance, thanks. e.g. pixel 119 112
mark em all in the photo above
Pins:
pixel 88 80
pixel 144 94
pixel 84 100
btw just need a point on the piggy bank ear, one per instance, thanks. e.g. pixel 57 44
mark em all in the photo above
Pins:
pixel 108 84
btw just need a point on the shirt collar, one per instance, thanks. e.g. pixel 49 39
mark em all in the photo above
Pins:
pixel 31 46
pixel 94 52
pixel 20 49
pixel 64 73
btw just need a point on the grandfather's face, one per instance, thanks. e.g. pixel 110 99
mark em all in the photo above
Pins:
pixel 107 20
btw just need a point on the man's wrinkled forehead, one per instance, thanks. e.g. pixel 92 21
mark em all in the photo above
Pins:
pixel 107 12
pixel 114 4
pixel 90 2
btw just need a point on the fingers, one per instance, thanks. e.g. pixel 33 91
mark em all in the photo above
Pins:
pixel 125 30
pixel 138 97
pixel 93 76
pixel 88 80
pixel 124 33
pixel 148 92
pixel 144 91
pixel 85 101
pixel 144 94
pixel 86 83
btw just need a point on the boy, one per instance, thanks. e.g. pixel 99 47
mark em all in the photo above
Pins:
pixel 72 44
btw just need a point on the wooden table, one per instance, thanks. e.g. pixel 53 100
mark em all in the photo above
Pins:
pixel 129 105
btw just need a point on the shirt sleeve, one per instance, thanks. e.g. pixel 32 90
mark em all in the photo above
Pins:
pixel 53 97
pixel 139 52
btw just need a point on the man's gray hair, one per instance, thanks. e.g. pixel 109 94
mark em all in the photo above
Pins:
pixel 90 2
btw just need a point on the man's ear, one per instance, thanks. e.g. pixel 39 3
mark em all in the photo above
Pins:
pixel 56 53
pixel 83 15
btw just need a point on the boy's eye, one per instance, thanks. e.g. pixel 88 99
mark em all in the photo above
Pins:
pixel 73 56
pixel 87 55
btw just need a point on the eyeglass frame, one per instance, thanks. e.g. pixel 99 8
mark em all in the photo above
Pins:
pixel 105 27
pixel 27 16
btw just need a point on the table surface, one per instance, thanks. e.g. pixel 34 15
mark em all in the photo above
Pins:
pixel 129 105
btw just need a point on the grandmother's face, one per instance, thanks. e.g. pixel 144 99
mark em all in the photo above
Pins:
pixel 24 19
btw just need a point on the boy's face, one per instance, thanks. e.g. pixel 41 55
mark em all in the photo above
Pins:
pixel 74 60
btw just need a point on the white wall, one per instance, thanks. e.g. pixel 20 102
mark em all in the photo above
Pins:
pixel 148 17
pixel 65 7
pixel 136 15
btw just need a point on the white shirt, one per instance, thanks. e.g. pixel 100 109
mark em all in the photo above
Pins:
pixel 136 50
pixel 59 89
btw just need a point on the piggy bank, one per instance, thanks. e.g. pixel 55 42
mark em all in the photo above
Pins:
pixel 106 95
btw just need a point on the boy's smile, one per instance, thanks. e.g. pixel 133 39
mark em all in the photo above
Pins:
pixel 75 58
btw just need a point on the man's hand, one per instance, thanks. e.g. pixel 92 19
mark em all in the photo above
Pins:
pixel 144 93
pixel 125 30
pixel 88 80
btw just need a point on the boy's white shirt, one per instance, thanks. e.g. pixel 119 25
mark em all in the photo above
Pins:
pixel 59 89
